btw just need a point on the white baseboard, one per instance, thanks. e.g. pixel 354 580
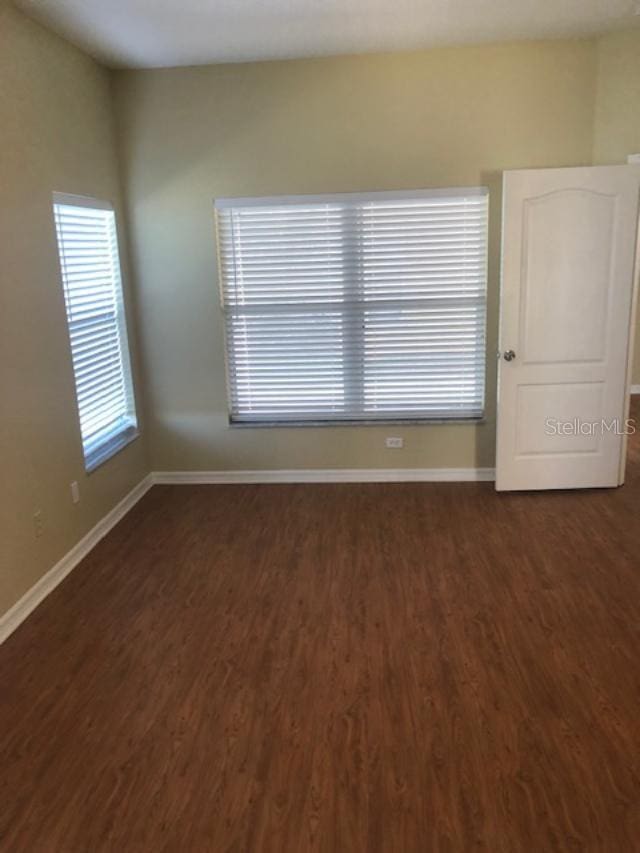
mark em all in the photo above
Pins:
pixel 635 389
pixel 335 475
pixel 10 620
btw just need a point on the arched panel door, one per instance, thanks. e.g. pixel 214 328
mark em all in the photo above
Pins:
pixel 568 261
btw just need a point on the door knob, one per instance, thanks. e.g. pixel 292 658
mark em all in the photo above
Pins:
pixel 509 355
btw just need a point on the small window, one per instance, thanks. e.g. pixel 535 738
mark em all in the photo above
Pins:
pixel 360 307
pixel 89 262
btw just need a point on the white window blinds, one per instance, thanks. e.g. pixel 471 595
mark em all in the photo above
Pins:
pixel 355 307
pixel 88 250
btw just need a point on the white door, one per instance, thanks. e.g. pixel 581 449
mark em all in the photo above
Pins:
pixel 568 255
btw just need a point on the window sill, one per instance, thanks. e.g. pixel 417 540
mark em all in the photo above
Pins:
pixel 109 449
pixel 409 422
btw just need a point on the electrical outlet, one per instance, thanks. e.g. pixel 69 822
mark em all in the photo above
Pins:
pixel 38 523
pixel 75 492
pixel 633 159
pixel 394 442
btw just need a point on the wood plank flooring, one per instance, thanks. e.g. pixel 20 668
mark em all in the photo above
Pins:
pixel 417 667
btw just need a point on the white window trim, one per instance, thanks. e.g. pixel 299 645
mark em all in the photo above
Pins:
pixel 82 201
pixel 357 198
pixel 130 430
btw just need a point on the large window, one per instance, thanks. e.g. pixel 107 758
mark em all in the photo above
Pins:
pixel 360 307
pixel 88 250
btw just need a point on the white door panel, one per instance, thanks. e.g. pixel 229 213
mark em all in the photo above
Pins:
pixel 569 239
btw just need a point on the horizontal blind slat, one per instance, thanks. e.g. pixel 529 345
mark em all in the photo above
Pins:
pixel 87 247
pixel 355 308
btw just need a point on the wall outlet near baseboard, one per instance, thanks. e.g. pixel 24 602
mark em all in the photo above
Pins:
pixel 394 442
pixel 633 159
pixel 75 492
pixel 38 523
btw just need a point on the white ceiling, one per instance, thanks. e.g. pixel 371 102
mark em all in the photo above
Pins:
pixel 157 33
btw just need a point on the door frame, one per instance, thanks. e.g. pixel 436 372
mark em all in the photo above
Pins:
pixel 633 331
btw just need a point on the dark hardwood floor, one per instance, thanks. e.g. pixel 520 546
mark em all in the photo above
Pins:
pixel 418 667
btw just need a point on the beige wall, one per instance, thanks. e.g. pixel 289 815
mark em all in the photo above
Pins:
pixel 438 118
pixel 617 113
pixel 57 134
